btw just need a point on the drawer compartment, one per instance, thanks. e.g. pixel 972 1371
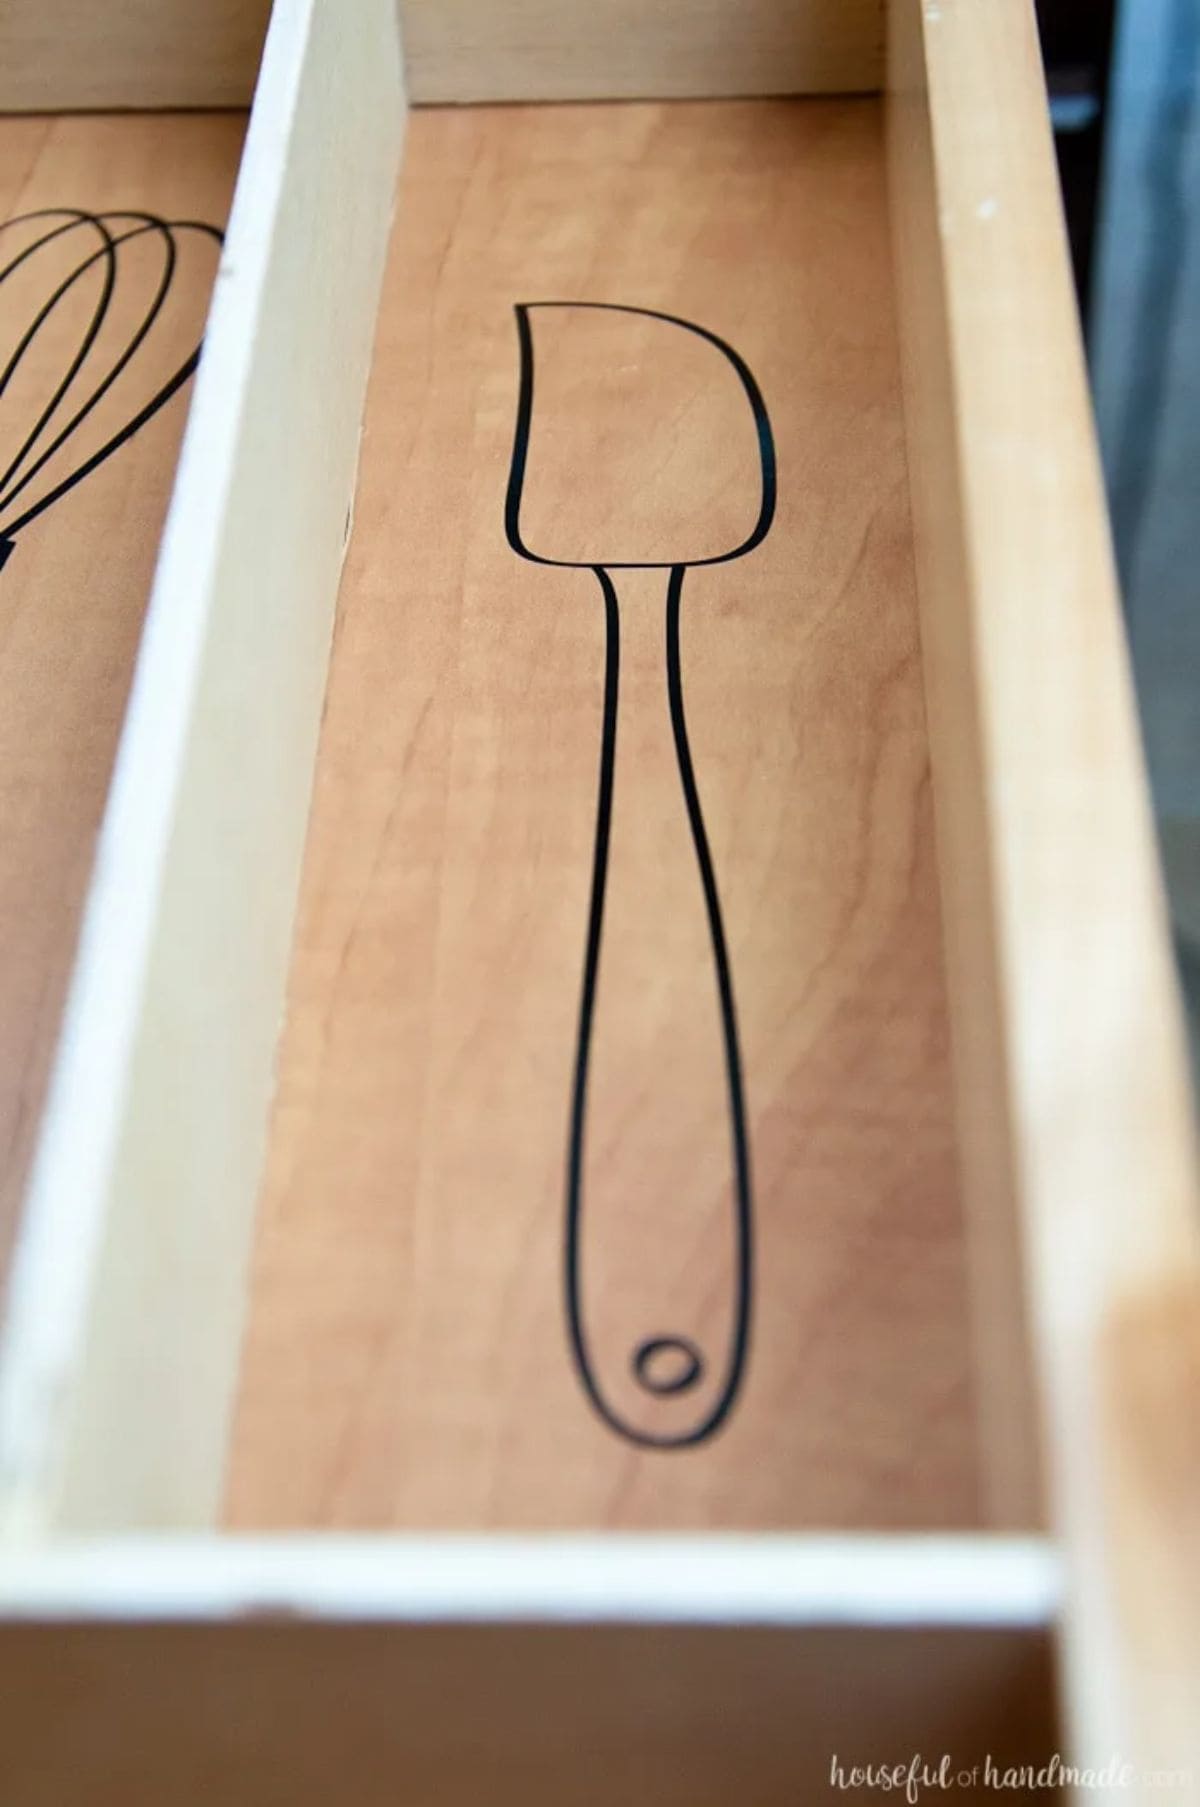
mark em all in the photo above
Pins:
pixel 462 1248
pixel 581 1231
pixel 78 547
pixel 229 676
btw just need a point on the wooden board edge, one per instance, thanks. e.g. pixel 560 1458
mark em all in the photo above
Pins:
pixel 1080 978
pixel 684 1715
pixel 1011 1487
pixel 128 1283
pixel 772 1578
pixel 563 1654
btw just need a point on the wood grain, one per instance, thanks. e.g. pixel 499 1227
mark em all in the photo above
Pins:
pixel 954 705
pixel 406 1361
pixel 157 53
pixel 678 1670
pixel 559 1715
pixel 59 55
pixel 72 594
pixel 1076 1041
pixel 472 50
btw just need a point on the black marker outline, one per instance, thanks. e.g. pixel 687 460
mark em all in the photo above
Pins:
pixel 739 1135
pixel 650 1346
pixel 16 478
pixel 516 475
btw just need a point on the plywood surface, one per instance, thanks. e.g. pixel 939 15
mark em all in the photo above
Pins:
pixel 954 706
pixel 557 50
pixel 64 54
pixel 156 53
pixel 545 1716
pixel 73 590
pixel 407 1358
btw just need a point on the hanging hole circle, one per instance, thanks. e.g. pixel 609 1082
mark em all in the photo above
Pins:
pixel 666 1365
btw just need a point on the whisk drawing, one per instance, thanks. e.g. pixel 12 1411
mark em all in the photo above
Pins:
pixel 665 1366
pixel 50 451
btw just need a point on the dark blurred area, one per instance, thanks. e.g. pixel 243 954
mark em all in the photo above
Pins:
pixel 1077 37
pixel 1122 78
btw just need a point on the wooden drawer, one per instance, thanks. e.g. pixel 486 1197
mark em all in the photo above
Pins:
pixel 615 1215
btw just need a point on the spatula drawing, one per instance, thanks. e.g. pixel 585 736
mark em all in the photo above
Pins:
pixel 665 1365
pixel 53 251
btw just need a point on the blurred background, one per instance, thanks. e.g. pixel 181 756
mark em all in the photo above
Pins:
pixel 1122 76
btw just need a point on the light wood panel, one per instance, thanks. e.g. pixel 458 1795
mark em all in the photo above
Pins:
pixel 285 1711
pixel 406 1360
pixel 156 53
pixel 999 1318
pixel 464 50
pixel 58 55
pixel 1084 1055
pixel 74 589
pixel 128 1280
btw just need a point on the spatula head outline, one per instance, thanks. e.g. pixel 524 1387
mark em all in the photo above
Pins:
pixel 520 453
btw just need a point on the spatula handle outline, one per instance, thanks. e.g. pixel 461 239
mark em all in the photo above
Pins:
pixel 743 1214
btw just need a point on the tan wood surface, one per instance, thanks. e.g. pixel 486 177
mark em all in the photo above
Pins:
pixel 282 1713
pixel 73 592
pixel 953 701
pixel 1063 981
pixel 59 55
pixel 156 53
pixel 559 50
pixel 406 1359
